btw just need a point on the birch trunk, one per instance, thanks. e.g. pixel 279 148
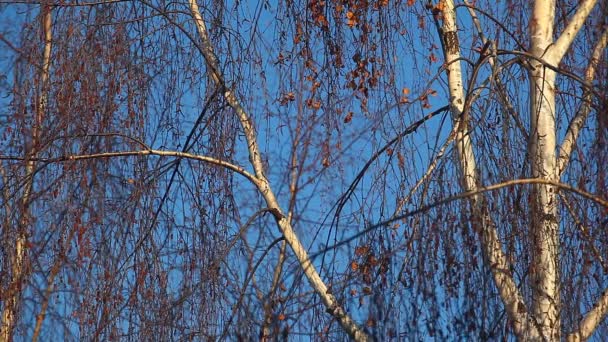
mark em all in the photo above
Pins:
pixel 19 260
pixel 490 241
pixel 544 321
pixel 542 153
pixel 321 289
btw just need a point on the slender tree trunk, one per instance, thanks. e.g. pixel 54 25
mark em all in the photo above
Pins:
pixel 19 262
pixel 542 154
pixel 59 261
pixel 332 305
pixel 490 241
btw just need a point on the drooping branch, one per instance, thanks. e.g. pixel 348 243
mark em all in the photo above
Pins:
pixel 584 233
pixel 466 195
pixel 177 154
pixel 270 300
pixel 54 271
pixel 328 299
pixel 500 86
pixel 409 130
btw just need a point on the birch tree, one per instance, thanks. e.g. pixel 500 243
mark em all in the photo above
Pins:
pixel 545 56
pixel 371 170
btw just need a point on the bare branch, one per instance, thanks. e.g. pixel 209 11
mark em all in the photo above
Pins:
pixel 62 3
pixel 330 302
pixel 465 195
pixel 176 154
pixel 592 319
pixel 561 45
pixel 491 244
pixel 585 233
pixel 579 120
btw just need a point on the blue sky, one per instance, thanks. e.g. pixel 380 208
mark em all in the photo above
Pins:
pixel 250 37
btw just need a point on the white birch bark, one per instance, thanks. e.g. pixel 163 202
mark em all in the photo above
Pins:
pixel 321 289
pixel 492 248
pixel 542 150
pixel 577 123
pixel 598 312
pixel 19 259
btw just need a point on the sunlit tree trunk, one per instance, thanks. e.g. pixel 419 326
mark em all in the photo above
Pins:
pixel 491 245
pixel 542 154
pixel 329 300
pixel 19 262
pixel 594 317
pixel 542 146
pixel 542 149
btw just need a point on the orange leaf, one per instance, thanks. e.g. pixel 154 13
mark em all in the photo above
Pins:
pixel 370 322
pixel 326 162
pixel 348 118
pixel 359 251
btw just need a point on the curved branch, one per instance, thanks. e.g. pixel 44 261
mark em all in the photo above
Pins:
pixel 248 278
pixel 410 129
pixel 177 154
pixel 546 63
pixel 331 303
pixel 63 4
pixel 502 92
pixel 493 19
pixel 464 195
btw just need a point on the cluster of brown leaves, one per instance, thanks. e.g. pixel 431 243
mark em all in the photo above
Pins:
pixel 317 11
pixel 363 77
pixel 370 268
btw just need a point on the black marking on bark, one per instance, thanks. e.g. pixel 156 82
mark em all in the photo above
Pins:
pixel 276 213
pixel 450 39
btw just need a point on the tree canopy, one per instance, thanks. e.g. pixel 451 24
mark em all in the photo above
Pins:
pixel 303 169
